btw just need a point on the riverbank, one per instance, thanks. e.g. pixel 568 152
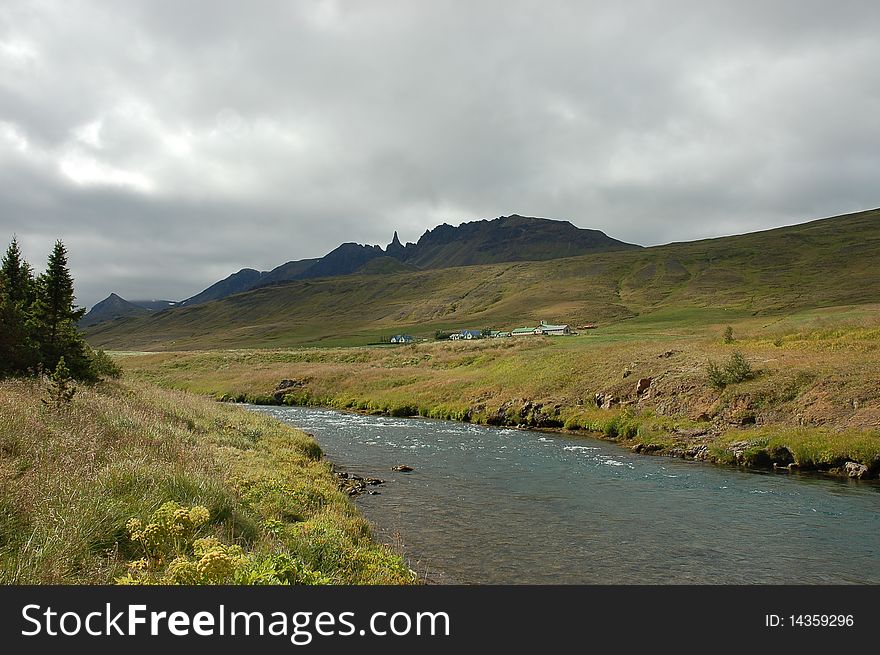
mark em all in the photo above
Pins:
pixel 809 398
pixel 92 491
pixel 770 449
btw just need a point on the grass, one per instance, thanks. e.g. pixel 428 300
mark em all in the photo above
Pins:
pixel 799 381
pixel 660 292
pixel 72 477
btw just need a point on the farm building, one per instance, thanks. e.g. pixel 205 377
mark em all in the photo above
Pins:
pixel 402 338
pixel 523 331
pixel 466 334
pixel 553 330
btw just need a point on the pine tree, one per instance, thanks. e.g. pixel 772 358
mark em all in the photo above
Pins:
pixel 17 274
pixel 17 351
pixel 54 318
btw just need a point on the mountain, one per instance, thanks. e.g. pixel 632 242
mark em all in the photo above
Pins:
pixel 154 305
pixel 286 272
pixel 505 239
pixel 114 307
pixel 825 263
pixel 245 279
pixel 395 248
pixel 385 266
pixel 344 260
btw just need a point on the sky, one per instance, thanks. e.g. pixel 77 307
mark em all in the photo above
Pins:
pixel 169 144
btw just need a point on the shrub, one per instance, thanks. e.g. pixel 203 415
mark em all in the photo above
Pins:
pixel 736 369
pixel 170 530
pixel 715 375
pixel 104 366
pixel 728 335
pixel 60 391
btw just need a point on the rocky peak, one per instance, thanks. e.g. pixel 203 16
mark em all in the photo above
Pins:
pixel 395 248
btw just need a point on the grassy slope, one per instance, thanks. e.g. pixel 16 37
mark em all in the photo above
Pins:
pixel 70 479
pixel 816 392
pixel 824 263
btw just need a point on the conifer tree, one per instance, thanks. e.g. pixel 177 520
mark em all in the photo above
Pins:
pixel 54 318
pixel 17 274
pixel 17 351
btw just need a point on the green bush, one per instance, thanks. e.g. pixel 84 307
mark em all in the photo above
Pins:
pixel 736 369
pixel 104 366
pixel 716 375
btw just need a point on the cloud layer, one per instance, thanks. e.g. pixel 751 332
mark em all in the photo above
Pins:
pixel 170 144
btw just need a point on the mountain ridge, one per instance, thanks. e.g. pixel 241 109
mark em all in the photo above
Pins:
pixel 827 262
pixel 506 238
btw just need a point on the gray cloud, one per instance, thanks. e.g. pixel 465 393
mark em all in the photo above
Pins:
pixel 170 143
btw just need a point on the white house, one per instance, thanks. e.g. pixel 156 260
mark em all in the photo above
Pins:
pixel 553 330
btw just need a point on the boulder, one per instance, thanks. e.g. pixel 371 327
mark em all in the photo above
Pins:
pixel 284 387
pixel 403 468
pixel 606 400
pixel 642 385
pixel 738 449
pixel 855 470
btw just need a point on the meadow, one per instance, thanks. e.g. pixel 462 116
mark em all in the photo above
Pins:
pixel 133 484
pixel 810 398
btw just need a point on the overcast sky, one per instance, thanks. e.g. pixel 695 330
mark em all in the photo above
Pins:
pixel 171 143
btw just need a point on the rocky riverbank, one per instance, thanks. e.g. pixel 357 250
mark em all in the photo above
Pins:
pixel 720 441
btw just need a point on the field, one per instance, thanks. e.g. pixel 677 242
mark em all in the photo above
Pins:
pixel 810 399
pixel 135 484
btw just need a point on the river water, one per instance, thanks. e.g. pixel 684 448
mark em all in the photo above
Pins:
pixel 492 505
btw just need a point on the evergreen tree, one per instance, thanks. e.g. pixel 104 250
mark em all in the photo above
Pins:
pixel 17 351
pixel 17 274
pixel 54 318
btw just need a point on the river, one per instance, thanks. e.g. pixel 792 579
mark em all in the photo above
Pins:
pixel 493 505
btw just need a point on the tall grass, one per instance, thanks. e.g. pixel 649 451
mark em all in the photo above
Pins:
pixel 71 478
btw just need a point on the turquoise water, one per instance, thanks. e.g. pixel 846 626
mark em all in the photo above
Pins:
pixel 490 505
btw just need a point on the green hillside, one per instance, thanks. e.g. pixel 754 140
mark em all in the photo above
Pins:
pixel 834 261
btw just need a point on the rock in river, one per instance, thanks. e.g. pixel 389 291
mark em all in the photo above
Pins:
pixel 855 470
pixel 403 468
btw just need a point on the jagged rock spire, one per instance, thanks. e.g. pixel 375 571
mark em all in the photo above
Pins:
pixel 395 248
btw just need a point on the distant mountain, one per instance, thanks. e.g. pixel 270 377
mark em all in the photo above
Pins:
pixel 245 279
pixel 285 272
pixel 114 306
pixel 504 239
pixel 344 260
pixel 385 266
